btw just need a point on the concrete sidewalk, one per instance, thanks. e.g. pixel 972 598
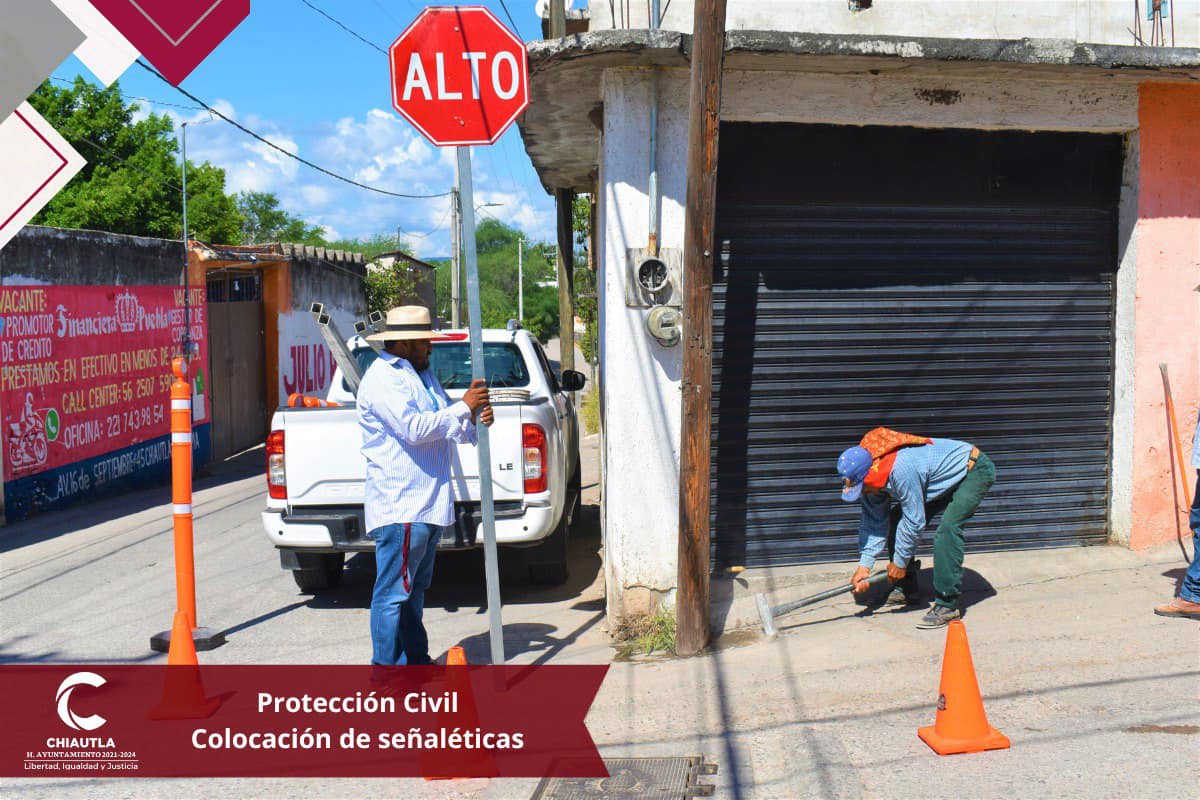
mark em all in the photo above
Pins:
pixel 1099 696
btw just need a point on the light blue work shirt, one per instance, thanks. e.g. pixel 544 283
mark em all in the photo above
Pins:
pixel 409 429
pixel 920 475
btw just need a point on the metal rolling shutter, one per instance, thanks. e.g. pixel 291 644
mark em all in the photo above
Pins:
pixel 979 322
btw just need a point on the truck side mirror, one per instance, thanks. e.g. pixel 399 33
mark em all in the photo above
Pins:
pixel 572 381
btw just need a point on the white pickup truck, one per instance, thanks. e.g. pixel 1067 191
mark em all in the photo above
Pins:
pixel 315 467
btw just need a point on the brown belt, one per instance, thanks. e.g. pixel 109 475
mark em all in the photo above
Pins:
pixel 971 459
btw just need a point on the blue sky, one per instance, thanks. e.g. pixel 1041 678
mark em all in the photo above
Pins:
pixel 307 85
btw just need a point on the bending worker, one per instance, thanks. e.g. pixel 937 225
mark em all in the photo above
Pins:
pixel 921 477
pixel 409 428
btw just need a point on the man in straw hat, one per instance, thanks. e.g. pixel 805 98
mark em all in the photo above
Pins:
pixel 409 429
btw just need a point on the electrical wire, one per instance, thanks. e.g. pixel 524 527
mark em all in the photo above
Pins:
pixel 287 153
pixel 516 30
pixel 431 232
pixel 356 35
pixel 383 8
pixel 124 96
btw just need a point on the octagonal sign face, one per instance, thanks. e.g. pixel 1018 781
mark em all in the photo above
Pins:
pixel 459 75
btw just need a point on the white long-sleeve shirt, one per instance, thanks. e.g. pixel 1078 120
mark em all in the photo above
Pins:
pixel 409 428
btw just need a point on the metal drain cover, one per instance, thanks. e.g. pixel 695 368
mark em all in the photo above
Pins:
pixel 634 779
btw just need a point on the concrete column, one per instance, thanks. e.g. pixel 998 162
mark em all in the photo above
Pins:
pixel 1166 308
pixel 641 377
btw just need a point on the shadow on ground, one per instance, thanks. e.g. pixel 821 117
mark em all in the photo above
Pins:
pixel 975 590
pixel 458 578
pixel 41 527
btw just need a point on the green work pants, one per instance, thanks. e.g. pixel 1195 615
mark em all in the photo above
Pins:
pixel 956 507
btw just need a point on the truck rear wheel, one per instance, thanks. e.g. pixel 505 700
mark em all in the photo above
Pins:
pixel 575 492
pixel 547 562
pixel 319 571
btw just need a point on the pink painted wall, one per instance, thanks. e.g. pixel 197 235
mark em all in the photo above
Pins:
pixel 1167 307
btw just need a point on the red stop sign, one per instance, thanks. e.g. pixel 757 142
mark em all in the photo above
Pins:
pixel 459 75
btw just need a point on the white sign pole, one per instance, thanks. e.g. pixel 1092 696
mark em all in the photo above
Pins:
pixel 490 564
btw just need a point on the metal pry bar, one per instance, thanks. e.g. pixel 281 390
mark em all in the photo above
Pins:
pixel 767 613
pixel 337 346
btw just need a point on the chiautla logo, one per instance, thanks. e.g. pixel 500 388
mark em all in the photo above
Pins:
pixel 70 718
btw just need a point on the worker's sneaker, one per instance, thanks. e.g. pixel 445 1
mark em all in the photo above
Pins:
pixel 902 596
pixel 906 592
pixel 1183 609
pixel 939 617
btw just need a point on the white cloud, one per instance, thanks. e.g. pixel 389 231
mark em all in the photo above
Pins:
pixel 515 208
pixel 377 148
pixel 316 197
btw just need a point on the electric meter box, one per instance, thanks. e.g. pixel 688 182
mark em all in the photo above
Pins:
pixel 654 280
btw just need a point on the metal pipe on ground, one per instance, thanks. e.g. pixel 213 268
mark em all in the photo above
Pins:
pixel 767 613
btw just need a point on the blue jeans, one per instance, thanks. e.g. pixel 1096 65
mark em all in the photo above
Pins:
pixel 1191 579
pixel 403 570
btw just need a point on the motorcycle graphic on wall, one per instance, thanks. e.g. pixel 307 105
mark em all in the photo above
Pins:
pixel 27 444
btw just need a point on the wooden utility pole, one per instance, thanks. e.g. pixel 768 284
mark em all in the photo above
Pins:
pixel 564 204
pixel 558 19
pixel 708 51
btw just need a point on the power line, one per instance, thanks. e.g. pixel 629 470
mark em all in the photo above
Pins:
pixel 429 233
pixel 510 19
pixel 274 146
pixel 383 8
pixel 131 97
pixel 358 36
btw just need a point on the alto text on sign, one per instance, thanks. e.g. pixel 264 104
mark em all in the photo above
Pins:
pixel 459 76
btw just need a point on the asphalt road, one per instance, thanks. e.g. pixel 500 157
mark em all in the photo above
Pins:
pixel 93 583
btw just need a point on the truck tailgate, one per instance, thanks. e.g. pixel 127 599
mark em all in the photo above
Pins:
pixel 323 456
pixel 325 466
pixel 508 477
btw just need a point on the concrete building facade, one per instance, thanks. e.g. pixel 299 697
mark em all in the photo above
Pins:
pixel 1116 22
pixel 1001 78
pixel 265 332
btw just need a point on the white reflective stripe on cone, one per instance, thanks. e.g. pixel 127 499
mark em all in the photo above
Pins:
pixel 181 438
pixel 181 405
pixel 182 508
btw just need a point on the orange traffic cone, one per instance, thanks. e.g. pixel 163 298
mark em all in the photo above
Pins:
pixel 183 693
pixel 961 725
pixel 440 765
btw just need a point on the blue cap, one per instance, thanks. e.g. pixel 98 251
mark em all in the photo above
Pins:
pixel 853 465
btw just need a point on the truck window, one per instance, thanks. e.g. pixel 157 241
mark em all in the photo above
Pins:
pixel 551 378
pixel 503 365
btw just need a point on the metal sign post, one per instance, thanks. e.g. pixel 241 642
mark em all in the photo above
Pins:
pixel 475 317
pixel 482 80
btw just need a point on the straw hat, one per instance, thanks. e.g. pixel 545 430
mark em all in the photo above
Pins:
pixel 405 322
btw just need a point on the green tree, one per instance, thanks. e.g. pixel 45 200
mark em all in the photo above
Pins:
pixel 586 301
pixel 370 246
pixel 496 253
pixel 388 287
pixel 131 182
pixel 264 221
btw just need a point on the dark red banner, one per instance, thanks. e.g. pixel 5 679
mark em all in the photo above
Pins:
pixel 67 721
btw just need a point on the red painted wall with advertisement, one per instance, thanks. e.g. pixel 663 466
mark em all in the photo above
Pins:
pixel 84 380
